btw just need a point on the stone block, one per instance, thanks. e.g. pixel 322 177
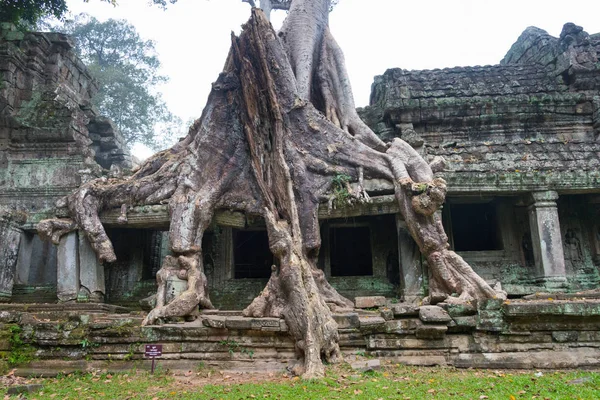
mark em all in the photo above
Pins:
pixel 238 323
pixel 565 336
pixel 552 359
pixel 463 324
pixel 492 321
pixel 23 389
pixel 406 343
pixel 402 326
pixel 459 310
pixel 433 314
pixel 552 307
pixel 386 313
pixel 283 325
pixel 491 304
pixel 431 332
pixel 405 310
pixel 371 324
pixel 369 301
pixel 269 323
pixel 214 322
pixel 367 365
pixel 347 321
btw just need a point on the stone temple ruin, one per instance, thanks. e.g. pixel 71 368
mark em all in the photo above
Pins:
pixel 521 142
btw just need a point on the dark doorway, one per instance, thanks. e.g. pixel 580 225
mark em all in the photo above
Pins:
pixel 351 251
pixel 475 227
pixel 251 254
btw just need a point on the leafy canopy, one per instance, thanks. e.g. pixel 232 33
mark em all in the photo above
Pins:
pixel 29 12
pixel 127 69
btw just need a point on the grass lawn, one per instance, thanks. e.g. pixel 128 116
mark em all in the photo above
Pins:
pixel 392 382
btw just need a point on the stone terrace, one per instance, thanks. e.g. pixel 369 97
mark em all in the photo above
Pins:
pixel 537 333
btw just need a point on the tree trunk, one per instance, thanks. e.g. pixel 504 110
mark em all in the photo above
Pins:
pixel 262 147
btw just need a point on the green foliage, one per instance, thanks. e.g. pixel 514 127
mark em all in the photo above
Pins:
pixel 28 13
pixel 20 352
pixel 127 70
pixel 339 189
pixel 87 344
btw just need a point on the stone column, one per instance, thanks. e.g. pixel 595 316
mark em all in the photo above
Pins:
pixel 594 222
pixel 91 273
pixel 10 238
pixel 411 275
pixel 67 272
pixel 546 238
pixel 24 261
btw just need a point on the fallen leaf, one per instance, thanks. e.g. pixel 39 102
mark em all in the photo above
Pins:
pixel 512 397
pixel 358 391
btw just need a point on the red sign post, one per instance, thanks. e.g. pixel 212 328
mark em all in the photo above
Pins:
pixel 153 351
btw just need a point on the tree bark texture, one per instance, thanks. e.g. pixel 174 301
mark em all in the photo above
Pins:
pixel 278 126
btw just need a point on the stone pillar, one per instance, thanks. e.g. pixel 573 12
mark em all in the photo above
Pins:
pixel 91 273
pixel 594 221
pixel 546 238
pixel 67 272
pixel 10 238
pixel 24 260
pixel 411 275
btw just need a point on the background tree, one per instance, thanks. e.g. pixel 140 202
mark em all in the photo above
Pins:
pixel 30 11
pixel 127 70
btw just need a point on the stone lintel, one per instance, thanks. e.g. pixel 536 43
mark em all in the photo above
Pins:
pixel 157 216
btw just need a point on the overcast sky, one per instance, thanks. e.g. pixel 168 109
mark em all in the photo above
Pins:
pixel 192 36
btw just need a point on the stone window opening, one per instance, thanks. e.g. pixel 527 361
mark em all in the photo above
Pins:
pixel 474 226
pixel 252 257
pixel 350 251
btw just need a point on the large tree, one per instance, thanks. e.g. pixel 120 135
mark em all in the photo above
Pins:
pixel 279 126
pixel 127 70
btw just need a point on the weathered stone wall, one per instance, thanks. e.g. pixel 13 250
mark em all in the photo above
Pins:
pixel 524 132
pixel 528 124
pixel 548 333
pixel 51 138
pixel 51 141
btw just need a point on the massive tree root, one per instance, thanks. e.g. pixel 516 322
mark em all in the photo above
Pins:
pixel 279 124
